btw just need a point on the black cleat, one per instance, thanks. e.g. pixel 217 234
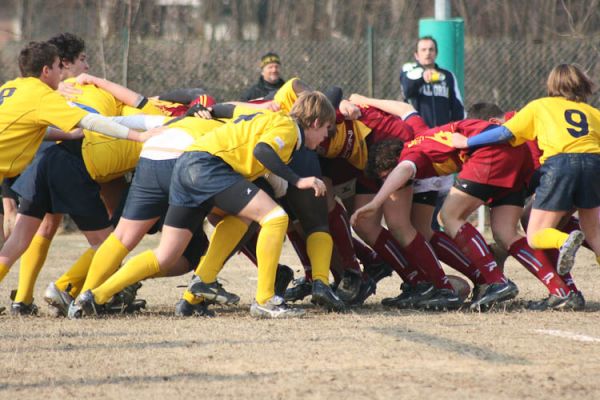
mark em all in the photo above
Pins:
pixel 212 291
pixel 378 271
pixel 299 291
pixel 410 295
pixel 22 309
pixel 495 293
pixel 282 280
pixel 185 309
pixel 367 288
pixel 442 299
pixel 573 302
pixel 349 286
pixel 322 295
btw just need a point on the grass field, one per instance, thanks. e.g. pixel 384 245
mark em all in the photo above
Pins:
pixel 369 353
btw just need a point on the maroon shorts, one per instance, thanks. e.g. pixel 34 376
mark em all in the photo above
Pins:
pixel 499 165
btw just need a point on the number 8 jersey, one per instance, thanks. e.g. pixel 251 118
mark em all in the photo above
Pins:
pixel 559 125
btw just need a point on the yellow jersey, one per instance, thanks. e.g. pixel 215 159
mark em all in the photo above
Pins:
pixel 348 142
pixel 196 127
pixel 27 107
pixel 234 142
pixel 285 96
pixel 559 125
pixel 105 158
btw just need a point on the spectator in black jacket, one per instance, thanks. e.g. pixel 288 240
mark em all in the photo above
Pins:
pixel 270 79
pixel 433 91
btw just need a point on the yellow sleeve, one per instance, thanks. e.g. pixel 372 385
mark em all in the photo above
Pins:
pixel 54 110
pixel 286 97
pixel 282 138
pixel 522 125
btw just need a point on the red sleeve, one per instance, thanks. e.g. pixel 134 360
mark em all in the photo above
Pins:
pixel 385 126
pixel 422 162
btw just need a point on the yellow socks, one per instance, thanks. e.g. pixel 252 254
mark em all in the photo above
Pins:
pixel 191 298
pixel 268 249
pixel 3 271
pixel 75 276
pixel 319 246
pixel 31 263
pixel 140 267
pixel 226 236
pixel 548 238
pixel 106 261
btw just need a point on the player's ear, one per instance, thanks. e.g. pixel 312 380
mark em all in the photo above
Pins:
pixel 496 121
pixel 317 123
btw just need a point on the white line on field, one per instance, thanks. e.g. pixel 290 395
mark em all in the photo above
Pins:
pixel 568 335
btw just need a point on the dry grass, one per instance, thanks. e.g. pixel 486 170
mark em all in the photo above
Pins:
pixel 368 353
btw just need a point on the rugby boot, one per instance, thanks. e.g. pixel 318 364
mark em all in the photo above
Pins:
pixel 572 302
pixel 20 308
pixel 410 295
pixel 58 300
pixel 275 307
pixel 302 288
pixel 495 293
pixel 442 299
pixel 86 304
pixel 185 309
pixel 212 291
pixel 282 280
pixel 324 296
pixel 378 271
pixel 566 256
pixel 349 286
pixel 367 288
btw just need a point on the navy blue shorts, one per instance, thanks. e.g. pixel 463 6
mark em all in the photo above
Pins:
pixel 57 182
pixel 149 192
pixel 567 181
pixel 201 180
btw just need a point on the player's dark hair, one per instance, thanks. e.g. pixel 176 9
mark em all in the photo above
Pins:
pixel 571 82
pixel 69 46
pixel 35 56
pixel 419 40
pixel 485 111
pixel 383 156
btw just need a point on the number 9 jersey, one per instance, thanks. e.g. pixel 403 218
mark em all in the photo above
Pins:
pixel 559 125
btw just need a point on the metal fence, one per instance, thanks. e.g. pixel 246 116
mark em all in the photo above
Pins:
pixel 508 72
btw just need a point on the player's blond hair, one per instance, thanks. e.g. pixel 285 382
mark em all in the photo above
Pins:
pixel 571 82
pixel 311 106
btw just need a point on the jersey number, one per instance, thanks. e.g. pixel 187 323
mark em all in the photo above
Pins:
pixel 579 123
pixel 7 92
pixel 245 117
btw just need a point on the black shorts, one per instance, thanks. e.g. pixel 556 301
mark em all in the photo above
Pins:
pixel 57 182
pixel 201 180
pixel 148 195
pixel 426 198
pixel 493 196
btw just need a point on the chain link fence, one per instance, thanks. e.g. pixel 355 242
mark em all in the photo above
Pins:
pixel 507 72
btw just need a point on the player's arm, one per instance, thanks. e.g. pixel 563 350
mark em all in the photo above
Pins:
pixel 127 96
pixel 397 179
pixel 105 126
pixel 141 122
pixel 271 160
pixel 499 134
pixel 394 107
pixel 55 134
